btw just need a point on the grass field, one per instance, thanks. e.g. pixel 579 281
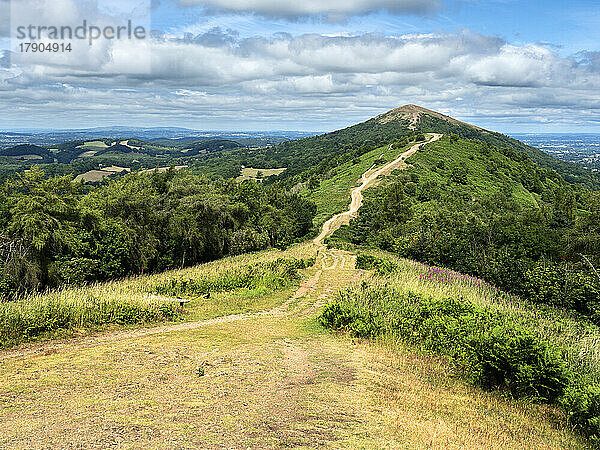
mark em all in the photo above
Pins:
pixel 126 143
pixel 94 145
pixel 93 176
pixel 91 148
pixel 142 299
pixel 249 173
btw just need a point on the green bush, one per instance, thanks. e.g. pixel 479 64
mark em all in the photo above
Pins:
pixel 7 285
pixel 582 404
pixel 514 359
pixel 383 266
pixel 555 284
pixel 489 349
pixel 73 271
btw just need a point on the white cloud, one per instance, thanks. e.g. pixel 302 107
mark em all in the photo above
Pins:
pixel 218 77
pixel 331 10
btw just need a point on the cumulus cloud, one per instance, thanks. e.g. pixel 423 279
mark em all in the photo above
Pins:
pixel 219 77
pixel 330 10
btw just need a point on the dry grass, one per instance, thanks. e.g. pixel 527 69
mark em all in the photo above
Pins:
pixel 94 145
pixel 416 403
pixel 93 176
pixel 269 382
pixel 249 173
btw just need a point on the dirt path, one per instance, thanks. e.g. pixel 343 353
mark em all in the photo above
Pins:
pixel 263 380
pixel 307 286
pixel 367 178
pixel 329 260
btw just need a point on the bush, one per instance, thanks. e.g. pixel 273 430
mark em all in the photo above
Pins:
pixel 514 359
pixel 381 265
pixel 7 285
pixel 28 319
pixel 557 285
pixel 73 271
pixel 488 348
pixel 582 404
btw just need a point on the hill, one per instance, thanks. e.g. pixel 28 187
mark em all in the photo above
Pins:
pixel 489 211
pixel 427 121
pixel 249 364
pixel 313 158
pixel 28 152
pixel 309 160
pixel 81 157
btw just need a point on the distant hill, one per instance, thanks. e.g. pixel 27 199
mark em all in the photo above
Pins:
pixel 209 146
pixel 28 152
pixel 316 155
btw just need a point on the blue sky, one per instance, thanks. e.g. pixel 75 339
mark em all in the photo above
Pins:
pixel 511 66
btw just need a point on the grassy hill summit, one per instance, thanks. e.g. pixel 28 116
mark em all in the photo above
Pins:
pixel 414 114
pixel 314 157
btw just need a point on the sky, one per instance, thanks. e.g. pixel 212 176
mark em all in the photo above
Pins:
pixel 316 65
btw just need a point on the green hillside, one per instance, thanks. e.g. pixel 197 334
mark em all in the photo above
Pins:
pixel 431 121
pixel 314 157
pixel 493 213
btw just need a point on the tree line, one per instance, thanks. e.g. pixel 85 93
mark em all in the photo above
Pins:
pixel 54 231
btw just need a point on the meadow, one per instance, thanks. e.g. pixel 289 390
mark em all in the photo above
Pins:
pixel 227 286
pixel 250 173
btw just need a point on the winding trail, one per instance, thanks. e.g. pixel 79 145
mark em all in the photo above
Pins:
pixel 328 259
pixel 367 178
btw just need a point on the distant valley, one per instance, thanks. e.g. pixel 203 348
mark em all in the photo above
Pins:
pixel 581 148
pixel 95 154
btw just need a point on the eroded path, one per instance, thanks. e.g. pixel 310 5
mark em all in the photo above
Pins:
pixel 367 180
pixel 272 379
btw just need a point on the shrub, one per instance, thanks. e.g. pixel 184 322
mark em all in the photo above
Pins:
pixel 488 348
pixel 73 271
pixel 514 359
pixel 381 265
pixel 556 285
pixel 582 404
